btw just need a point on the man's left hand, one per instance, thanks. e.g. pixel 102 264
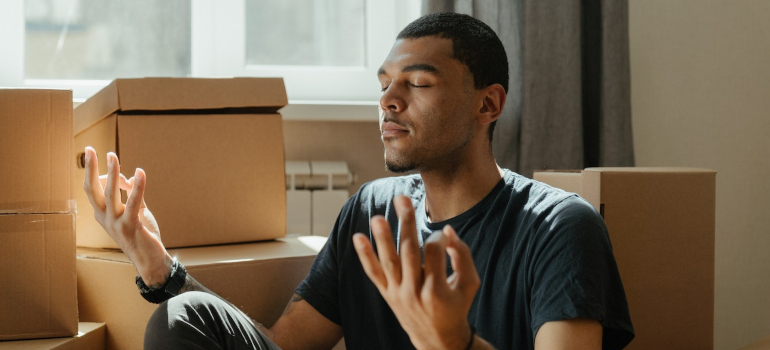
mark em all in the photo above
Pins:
pixel 431 307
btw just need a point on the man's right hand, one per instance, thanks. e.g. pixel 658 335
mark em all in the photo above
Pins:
pixel 131 225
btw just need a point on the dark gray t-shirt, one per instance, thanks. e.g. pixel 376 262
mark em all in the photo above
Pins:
pixel 542 255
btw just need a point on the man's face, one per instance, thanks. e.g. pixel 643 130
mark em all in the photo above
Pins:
pixel 426 108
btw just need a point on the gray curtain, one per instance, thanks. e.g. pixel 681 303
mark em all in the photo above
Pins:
pixel 568 103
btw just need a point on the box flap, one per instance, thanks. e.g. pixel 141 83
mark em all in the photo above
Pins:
pixel 181 94
pixel 229 253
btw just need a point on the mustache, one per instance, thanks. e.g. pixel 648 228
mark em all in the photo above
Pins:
pixel 389 118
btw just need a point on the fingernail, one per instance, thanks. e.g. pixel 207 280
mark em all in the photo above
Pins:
pixel 435 236
pixel 88 156
pixel 357 242
pixel 138 174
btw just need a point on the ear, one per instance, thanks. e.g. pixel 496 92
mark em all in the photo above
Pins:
pixel 492 103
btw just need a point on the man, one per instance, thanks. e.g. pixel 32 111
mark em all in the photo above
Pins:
pixel 529 266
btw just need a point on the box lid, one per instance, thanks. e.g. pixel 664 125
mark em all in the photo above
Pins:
pixel 229 253
pixel 143 95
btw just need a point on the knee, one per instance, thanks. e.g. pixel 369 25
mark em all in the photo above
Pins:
pixel 175 318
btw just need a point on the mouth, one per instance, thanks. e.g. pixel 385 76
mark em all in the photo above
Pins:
pixel 391 130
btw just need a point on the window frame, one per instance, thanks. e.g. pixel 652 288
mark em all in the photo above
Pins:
pixel 218 50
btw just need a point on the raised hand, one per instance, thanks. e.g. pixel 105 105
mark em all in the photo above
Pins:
pixel 131 225
pixel 431 307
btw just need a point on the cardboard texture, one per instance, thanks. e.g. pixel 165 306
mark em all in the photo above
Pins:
pixel 259 278
pixel 37 274
pixel 661 224
pixel 212 150
pixel 36 163
pixel 90 336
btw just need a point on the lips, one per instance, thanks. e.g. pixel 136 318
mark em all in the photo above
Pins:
pixel 391 129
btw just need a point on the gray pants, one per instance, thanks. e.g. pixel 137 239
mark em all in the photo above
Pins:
pixel 197 320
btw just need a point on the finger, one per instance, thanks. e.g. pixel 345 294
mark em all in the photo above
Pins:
pixel 435 259
pixel 130 184
pixel 465 276
pixel 136 198
pixel 410 247
pixel 112 199
pixel 369 261
pixel 123 183
pixel 386 249
pixel 93 188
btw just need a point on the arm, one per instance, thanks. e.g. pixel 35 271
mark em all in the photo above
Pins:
pixel 134 229
pixel 575 334
pixel 302 327
pixel 131 225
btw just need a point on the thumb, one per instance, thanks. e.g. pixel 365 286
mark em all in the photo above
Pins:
pixel 465 277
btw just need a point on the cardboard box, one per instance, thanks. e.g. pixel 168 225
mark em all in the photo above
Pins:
pixel 36 163
pixel 259 278
pixel 212 150
pixel 661 225
pixel 37 274
pixel 90 336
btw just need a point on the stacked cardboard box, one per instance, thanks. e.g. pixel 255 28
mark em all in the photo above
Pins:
pixel 213 153
pixel 661 225
pixel 37 233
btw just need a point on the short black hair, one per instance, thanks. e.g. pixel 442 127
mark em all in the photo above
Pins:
pixel 474 44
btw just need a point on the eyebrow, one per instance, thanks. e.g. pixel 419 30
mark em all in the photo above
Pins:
pixel 423 67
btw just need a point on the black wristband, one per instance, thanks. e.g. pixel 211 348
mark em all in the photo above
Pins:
pixel 169 289
pixel 473 336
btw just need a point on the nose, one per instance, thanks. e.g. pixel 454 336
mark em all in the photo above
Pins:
pixel 392 100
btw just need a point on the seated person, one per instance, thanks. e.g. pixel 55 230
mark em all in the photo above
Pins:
pixel 528 266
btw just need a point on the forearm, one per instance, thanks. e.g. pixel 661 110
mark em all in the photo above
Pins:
pixel 481 344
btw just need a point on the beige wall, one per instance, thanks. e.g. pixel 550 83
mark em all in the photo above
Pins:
pixel 356 142
pixel 700 92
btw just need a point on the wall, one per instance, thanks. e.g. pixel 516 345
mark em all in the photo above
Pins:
pixel 356 142
pixel 700 92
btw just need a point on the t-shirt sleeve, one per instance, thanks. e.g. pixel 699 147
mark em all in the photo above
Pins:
pixel 574 273
pixel 321 286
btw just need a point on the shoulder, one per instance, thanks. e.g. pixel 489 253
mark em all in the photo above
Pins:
pixel 551 208
pixel 545 199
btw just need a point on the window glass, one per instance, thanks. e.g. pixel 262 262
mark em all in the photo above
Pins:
pixel 305 32
pixel 103 40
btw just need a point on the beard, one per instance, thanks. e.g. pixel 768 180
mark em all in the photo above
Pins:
pixel 398 163
pixel 399 168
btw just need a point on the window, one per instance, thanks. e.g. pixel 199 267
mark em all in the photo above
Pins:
pixel 326 50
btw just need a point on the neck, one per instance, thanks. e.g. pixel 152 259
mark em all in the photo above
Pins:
pixel 452 190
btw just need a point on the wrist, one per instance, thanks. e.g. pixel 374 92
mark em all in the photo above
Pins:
pixel 157 276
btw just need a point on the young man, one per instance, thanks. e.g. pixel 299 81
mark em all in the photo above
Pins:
pixel 529 266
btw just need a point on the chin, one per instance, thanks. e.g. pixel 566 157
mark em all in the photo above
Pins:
pixel 399 165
